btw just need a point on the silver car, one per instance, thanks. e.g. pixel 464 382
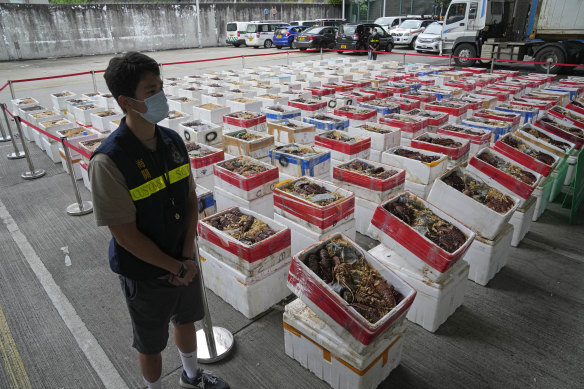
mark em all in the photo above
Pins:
pixel 429 40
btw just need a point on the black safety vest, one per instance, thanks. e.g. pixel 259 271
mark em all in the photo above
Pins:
pixel 159 186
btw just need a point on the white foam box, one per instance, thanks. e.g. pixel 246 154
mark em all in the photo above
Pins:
pixel 486 257
pixel 100 120
pixel 45 120
pixel 58 99
pixel 191 92
pixel 256 148
pixel 542 195
pixel 202 166
pixel 250 295
pixel 83 113
pixel 521 220
pixel 309 106
pixel 338 101
pixel 85 175
pixel 236 121
pixel 241 103
pixel 269 100
pixel 315 164
pixel 417 171
pixel 311 342
pixel 281 112
pixel 383 137
pixel 74 137
pixel 265 89
pixel 219 98
pixel 344 150
pixel 182 103
pixel 202 132
pixel 225 199
pixel 22 103
pixel 247 187
pixel 107 100
pixel 210 113
pixel 435 301
pixel 406 137
pixel 296 94
pixel 303 237
pixel 250 260
pixel 421 190
pixel 75 163
pixel 364 210
pixel 480 218
pixel 292 131
pixel 25 113
pixel 206 201
pixel 173 120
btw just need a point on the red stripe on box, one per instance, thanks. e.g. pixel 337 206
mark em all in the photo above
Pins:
pixel 475 139
pixel 246 183
pixel 307 107
pixel 426 98
pixel 339 88
pixel 356 116
pixel 453 153
pixel 244 123
pixel 542 106
pixel 304 208
pixel 322 223
pixel 514 185
pixel 396 89
pixel 449 110
pixel 464 85
pixel 404 126
pixel 514 120
pixel 343 147
pixel 199 162
pixel 522 158
pixel 378 94
pixel 575 108
pixel 368 182
pixel 360 99
pixel 558 115
pixel 561 133
pixel 321 91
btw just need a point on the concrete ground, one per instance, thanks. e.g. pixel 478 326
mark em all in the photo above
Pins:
pixel 67 326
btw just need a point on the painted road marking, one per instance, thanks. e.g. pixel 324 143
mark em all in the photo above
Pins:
pixel 85 339
pixel 13 366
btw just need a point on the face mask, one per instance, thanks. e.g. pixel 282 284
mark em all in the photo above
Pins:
pixel 156 108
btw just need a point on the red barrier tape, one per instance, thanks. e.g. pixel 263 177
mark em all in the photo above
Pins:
pixel 51 77
pixel 3 86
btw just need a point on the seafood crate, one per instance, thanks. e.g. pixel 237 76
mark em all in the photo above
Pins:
pixel 513 118
pixel 100 120
pixel 528 114
pixel 378 92
pixel 89 146
pixel 423 80
pixel 245 120
pixel 299 201
pixel 435 301
pixel 334 309
pixel 562 129
pixel 457 149
pixel 391 77
pixel 255 251
pixel 577 105
pixel 58 99
pixel 206 203
pixel 572 92
pixel 516 89
pixel 241 103
pixel 478 81
pixel 440 93
pixel 74 136
pixel 245 177
pixel 74 102
pixel 426 257
pixel 396 87
pixel 282 112
pixel 83 113
pixel 408 124
pixel 372 181
pixel 250 295
pixel 357 115
pixel 317 347
pixel 527 154
pixel 521 221
pixel 501 95
pixel 173 120
pixel 567 115
pixel 515 180
pixel 191 92
pixel 202 132
pixel 224 199
pixel 405 104
pixel 59 157
pixel 475 70
pixel 25 115
pixel 456 110
pixel 308 106
pixel 291 131
pixel 435 119
pixel 417 170
pixel 22 103
pixel 541 105
pixel 546 140
pixel 210 113
pixel 498 128
pixel 269 100
pixel 337 101
pixel 297 94
pixel 466 85
pixel 343 147
pixel 299 160
pixel 480 101
pixel 245 142
pixel 361 83
pixel 202 158
pixel 182 104
pixel 338 86
pixel 50 124
pixel 359 97
pixel 485 210
pixel 382 136
pixel 383 107
pixel 562 97
pixel 327 121
pixel 510 74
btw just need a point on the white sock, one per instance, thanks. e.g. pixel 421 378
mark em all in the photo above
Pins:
pixel 153 385
pixel 189 361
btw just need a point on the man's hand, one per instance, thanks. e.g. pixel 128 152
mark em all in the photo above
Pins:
pixel 192 270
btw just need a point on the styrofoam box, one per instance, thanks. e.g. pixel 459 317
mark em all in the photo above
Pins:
pixel 90 134
pixel 482 219
pixel 270 100
pixel 250 295
pixel 191 92
pixel 311 342
pixel 379 141
pixel 85 175
pixel 435 302
pixel 210 115
pixel 299 165
pixel 337 101
pixel 249 104
pixel 21 103
pixel 248 188
pixel 416 171
pixel 542 195
pixel 25 113
pixel 75 163
pixel 521 220
pixel 107 100
pixel 303 237
pixel 235 146
pixel 225 199
pixel 303 134
pixel 59 101
pixel 420 190
pixel 260 256
pixel 340 150
pixel 364 210
pixel 486 257
pixel 207 133
pixel 182 103
pixel 173 120
pixel 51 148
pixel 206 201
pixel 47 122
pixel 219 99
pixel 101 123
pixel 83 113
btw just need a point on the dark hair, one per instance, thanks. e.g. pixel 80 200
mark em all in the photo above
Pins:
pixel 123 74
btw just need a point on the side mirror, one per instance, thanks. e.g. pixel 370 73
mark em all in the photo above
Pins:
pixel 462 24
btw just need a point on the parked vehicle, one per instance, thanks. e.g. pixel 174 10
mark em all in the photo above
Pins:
pixel 543 29
pixel 261 33
pixel 309 23
pixel 408 31
pixel 329 22
pixel 355 36
pixel 429 40
pixel 390 22
pixel 315 38
pixel 236 33
pixel 284 36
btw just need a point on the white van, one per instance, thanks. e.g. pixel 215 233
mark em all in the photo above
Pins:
pixel 261 33
pixel 236 33
pixel 309 23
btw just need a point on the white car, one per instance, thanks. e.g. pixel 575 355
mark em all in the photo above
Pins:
pixel 408 31
pixel 261 34
pixel 429 40
pixel 390 22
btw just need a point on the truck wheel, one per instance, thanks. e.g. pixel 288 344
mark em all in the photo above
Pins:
pixel 465 51
pixel 546 54
pixel 268 44
pixel 389 47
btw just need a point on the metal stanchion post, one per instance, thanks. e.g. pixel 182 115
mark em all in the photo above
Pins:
pixel 3 137
pixel 450 60
pixel 549 61
pixel 16 154
pixel 213 343
pixel 404 58
pixel 93 79
pixel 31 174
pixel 81 207
pixel 321 53
pixel 287 58
pixel 11 89
pixel 492 64
pixel 243 61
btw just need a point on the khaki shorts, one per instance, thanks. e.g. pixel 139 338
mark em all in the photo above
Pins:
pixel 153 304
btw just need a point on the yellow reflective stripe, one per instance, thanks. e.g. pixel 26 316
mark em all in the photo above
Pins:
pixel 157 184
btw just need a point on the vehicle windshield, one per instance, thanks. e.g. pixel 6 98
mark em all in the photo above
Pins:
pixel 252 28
pixel 434 28
pixel 347 30
pixel 313 30
pixel 411 24
pixel 281 31
pixel 231 26
pixel 384 20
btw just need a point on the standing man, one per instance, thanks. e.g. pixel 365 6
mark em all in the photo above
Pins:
pixel 144 192
pixel 373 44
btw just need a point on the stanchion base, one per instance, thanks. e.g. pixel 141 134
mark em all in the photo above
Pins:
pixel 76 210
pixel 32 175
pixel 3 139
pixel 16 156
pixel 223 344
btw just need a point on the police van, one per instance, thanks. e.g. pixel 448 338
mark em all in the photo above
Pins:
pixel 261 33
